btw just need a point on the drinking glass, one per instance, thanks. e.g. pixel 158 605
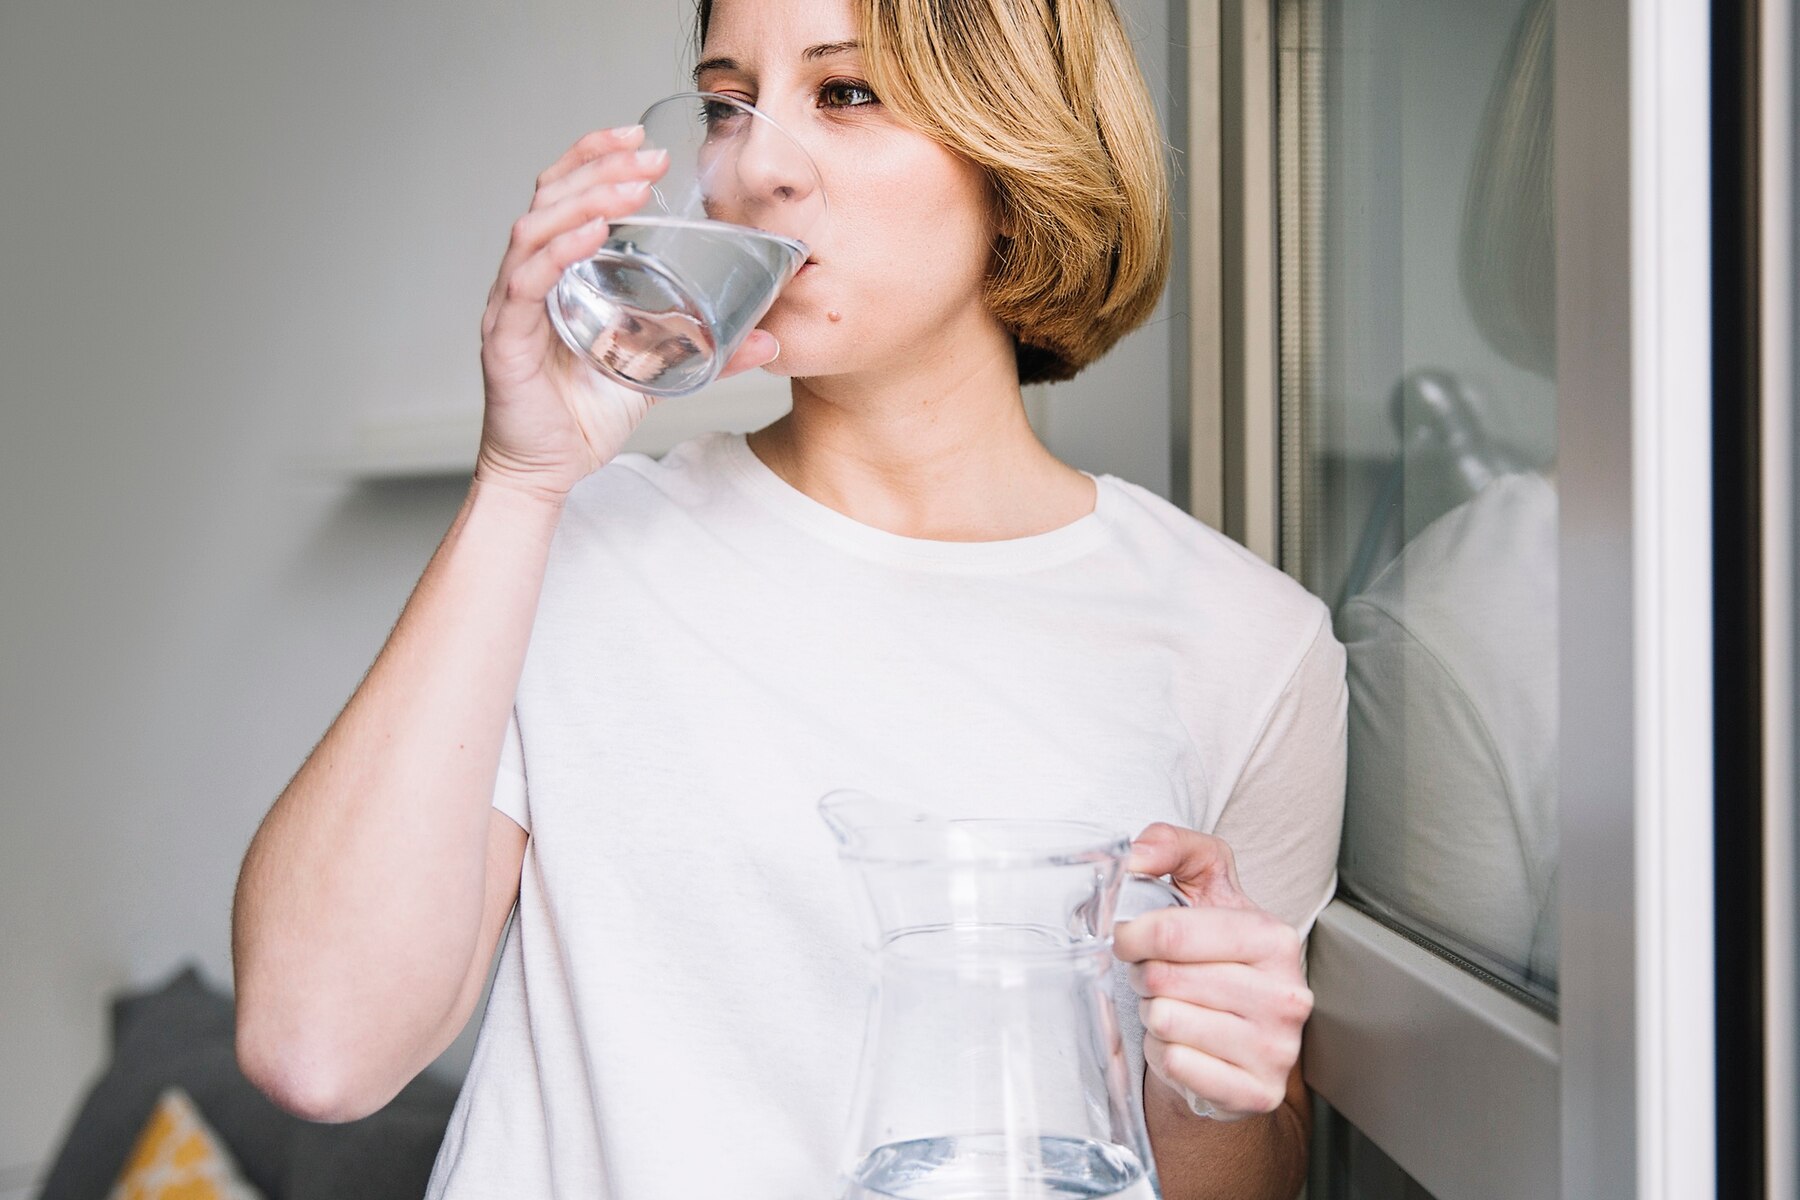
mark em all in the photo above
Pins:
pixel 679 285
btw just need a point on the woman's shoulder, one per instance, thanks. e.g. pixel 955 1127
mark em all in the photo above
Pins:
pixel 688 476
pixel 1199 565
pixel 639 508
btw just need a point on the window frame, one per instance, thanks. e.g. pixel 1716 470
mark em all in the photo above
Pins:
pixel 1630 1087
pixel 1779 115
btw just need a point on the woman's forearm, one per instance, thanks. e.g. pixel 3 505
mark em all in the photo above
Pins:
pixel 1258 1158
pixel 360 899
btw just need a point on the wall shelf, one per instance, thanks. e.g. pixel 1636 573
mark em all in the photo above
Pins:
pixel 430 443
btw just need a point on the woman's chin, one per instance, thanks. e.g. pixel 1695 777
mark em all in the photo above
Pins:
pixel 781 366
pixel 801 352
pixel 807 366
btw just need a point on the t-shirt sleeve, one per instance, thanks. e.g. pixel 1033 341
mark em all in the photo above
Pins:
pixel 1285 816
pixel 509 784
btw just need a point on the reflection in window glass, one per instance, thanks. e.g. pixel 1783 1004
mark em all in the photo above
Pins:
pixel 1418 449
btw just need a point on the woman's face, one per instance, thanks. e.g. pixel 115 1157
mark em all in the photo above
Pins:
pixel 896 270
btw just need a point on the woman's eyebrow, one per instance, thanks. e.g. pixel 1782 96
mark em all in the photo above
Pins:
pixel 813 53
pixel 714 64
pixel 810 54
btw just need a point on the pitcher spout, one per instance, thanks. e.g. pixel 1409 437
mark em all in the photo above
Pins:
pixel 858 819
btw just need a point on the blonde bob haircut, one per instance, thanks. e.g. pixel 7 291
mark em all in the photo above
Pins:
pixel 1046 96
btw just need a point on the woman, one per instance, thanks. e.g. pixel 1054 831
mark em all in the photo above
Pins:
pixel 622 684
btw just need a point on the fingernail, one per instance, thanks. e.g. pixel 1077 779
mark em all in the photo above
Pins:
pixel 777 353
pixel 652 158
pixel 624 131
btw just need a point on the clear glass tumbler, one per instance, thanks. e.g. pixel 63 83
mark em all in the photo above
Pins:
pixel 680 284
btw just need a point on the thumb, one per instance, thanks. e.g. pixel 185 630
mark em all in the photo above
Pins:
pixel 759 349
pixel 1201 865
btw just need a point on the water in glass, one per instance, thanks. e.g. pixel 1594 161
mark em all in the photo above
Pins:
pixel 655 306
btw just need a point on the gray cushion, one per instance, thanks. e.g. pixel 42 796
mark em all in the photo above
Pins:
pixel 388 1155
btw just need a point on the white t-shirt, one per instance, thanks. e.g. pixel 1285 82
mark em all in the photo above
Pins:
pixel 680 1000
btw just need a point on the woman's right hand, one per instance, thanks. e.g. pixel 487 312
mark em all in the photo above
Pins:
pixel 551 419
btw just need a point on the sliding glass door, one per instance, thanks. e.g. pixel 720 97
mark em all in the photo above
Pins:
pixel 1453 369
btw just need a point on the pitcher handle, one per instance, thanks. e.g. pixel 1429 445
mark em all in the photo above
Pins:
pixel 1147 893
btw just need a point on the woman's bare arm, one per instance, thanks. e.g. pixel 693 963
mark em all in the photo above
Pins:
pixel 371 899
pixel 372 895
pixel 1259 1158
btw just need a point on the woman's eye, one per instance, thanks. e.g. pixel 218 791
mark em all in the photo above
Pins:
pixel 847 95
pixel 719 116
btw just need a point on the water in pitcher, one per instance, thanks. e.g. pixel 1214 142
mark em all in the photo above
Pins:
pixel 665 294
pixel 995 1167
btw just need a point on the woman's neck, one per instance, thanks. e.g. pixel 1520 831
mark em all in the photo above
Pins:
pixel 942 451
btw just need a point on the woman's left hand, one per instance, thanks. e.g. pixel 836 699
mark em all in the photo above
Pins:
pixel 1222 993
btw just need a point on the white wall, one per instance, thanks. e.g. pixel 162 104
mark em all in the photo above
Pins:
pixel 1116 415
pixel 226 229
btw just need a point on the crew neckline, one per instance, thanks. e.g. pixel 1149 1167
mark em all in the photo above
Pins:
pixel 1032 551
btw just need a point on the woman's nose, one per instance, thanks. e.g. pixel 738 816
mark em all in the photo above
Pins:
pixel 772 166
pixel 777 184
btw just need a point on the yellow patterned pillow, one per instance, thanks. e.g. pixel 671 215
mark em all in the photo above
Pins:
pixel 179 1157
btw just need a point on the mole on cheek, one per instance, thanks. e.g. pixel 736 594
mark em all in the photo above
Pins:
pixel 834 315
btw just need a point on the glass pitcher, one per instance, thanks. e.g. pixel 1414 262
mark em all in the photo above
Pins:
pixel 993 1065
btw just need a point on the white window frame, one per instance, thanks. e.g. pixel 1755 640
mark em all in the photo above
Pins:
pixel 1468 1089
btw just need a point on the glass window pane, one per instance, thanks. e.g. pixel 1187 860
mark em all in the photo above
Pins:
pixel 1418 398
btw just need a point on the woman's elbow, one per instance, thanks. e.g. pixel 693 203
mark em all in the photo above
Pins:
pixel 300 1076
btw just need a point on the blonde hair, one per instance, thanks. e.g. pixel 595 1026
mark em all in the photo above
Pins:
pixel 1508 257
pixel 1045 96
